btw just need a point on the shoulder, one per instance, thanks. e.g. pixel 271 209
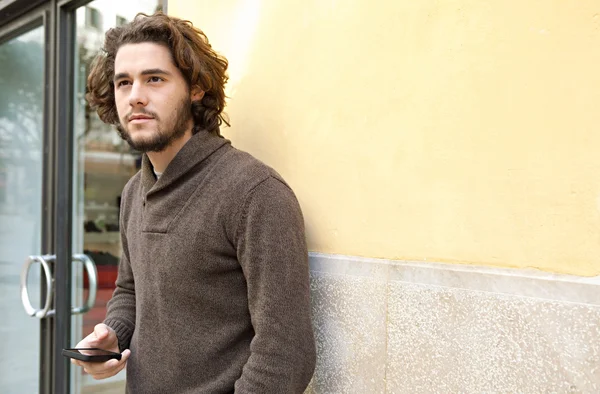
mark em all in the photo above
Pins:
pixel 258 187
pixel 250 189
pixel 243 172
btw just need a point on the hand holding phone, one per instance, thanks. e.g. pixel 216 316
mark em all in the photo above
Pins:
pixel 107 360
pixel 91 354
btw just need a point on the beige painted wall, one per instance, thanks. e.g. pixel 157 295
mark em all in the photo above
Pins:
pixel 455 131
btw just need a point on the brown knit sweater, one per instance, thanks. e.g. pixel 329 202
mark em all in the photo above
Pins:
pixel 213 291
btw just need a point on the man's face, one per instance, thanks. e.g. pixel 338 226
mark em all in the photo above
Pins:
pixel 152 98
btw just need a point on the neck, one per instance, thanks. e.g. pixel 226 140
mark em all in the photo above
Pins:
pixel 160 160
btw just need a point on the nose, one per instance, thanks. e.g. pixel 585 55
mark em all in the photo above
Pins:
pixel 137 95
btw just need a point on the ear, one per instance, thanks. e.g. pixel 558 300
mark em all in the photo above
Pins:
pixel 196 93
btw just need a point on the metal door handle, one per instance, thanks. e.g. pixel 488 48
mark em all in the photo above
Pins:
pixel 45 261
pixel 31 311
pixel 90 267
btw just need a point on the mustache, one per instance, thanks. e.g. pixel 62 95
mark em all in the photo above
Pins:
pixel 142 112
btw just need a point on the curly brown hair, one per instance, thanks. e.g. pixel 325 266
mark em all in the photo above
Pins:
pixel 193 55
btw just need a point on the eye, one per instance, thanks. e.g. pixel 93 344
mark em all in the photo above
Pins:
pixel 155 79
pixel 122 83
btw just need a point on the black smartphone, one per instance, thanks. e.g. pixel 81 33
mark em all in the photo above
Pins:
pixel 93 355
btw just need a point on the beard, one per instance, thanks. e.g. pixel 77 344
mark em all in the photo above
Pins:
pixel 165 132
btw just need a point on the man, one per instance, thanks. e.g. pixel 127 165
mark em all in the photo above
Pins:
pixel 212 294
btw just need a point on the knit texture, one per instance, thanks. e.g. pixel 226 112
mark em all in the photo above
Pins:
pixel 212 294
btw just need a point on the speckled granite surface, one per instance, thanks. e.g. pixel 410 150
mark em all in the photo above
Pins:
pixel 350 331
pixel 392 327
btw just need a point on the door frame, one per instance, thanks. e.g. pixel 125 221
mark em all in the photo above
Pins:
pixel 58 21
pixel 63 129
pixel 34 17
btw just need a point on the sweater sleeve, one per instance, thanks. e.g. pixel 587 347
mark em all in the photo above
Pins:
pixel 272 251
pixel 120 315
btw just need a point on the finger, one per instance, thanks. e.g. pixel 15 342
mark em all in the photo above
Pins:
pixel 107 366
pixel 93 368
pixel 107 369
pixel 125 355
pixel 79 363
pixel 108 374
pixel 119 364
pixel 99 368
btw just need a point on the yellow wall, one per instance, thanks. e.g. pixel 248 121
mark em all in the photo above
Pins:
pixel 456 131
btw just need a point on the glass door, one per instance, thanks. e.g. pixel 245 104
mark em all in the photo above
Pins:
pixel 102 165
pixel 25 175
pixel 61 176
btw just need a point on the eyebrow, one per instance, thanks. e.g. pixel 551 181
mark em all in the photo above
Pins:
pixel 150 71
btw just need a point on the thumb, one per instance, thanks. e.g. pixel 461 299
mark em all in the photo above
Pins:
pixel 101 332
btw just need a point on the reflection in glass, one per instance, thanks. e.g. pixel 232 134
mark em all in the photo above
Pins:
pixel 103 165
pixel 21 141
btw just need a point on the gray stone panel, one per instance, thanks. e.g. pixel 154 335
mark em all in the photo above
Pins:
pixel 349 316
pixel 446 340
pixel 409 327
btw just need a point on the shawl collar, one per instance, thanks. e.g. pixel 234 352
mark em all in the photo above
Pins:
pixel 198 148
